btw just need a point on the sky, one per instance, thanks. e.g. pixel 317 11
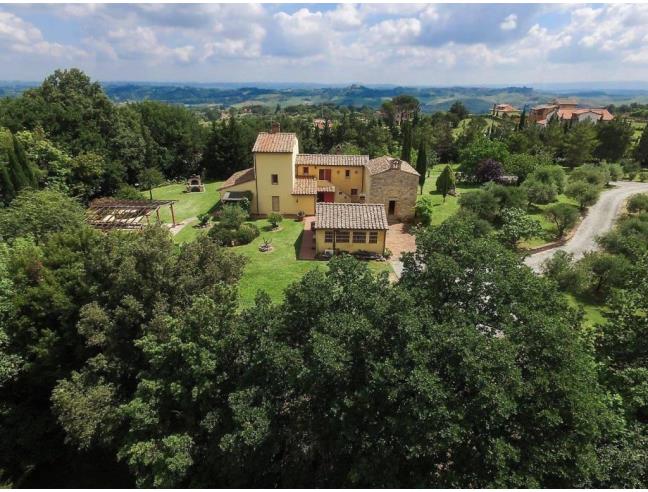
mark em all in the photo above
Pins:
pixel 403 44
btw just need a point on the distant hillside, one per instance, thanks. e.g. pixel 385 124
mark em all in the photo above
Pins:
pixel 476 99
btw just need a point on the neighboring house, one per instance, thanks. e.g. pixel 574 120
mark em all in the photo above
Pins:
pixel 321 123
pixel 505 110
pixel 567 110
pixel 284 181
pixel 350 227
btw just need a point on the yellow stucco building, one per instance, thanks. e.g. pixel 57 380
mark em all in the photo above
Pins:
pixel 284 181
pixel 350 227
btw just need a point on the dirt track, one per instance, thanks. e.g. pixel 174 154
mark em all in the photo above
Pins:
pixel 599 220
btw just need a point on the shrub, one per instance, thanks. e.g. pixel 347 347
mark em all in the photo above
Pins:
pixel 517 225
pixel 508 196
pixel 232 216
pixel 489 170
pixel 480 149
pixel 203 219
pixel 274 218
pixel 563 215
pixel 592 174
pixel 247 233
pixel 539 192
pixel 638 203
pixel 481 203
pixel 631 168
pixel 522 165
pixel 584 193
pixel 423 210
pixel 616 172
pixel 554 175
pixel 601 273
pixel 560 267
pixel 127 192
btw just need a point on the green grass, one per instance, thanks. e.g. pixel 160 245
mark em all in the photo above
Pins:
pixel 188 204
pixel 272 272
pixel 548 227
pixel 443 210
pixel 593 313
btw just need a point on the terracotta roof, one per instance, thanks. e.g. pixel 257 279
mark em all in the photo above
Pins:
pixel 326 189
pixel 505 108
pixel 599 111
pixel 238 178
pixel 566 101
pixel 567 114
pixel 331 160
pixel 351 216
pixel 305 186
pixel 274 142
pixel 385 163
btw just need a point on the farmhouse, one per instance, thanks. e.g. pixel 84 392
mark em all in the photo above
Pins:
pixel 284 181
pixel 567 110
pixel 505 110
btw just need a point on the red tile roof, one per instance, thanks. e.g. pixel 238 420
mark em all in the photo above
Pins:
pixel 238 178
pixel 305 186
pixel 385 163
pixel 331 160
pixel 351 216
pixel 275 142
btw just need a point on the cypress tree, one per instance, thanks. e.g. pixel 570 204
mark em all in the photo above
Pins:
pixel 641 152
pixel 522 119
pixel 406 149
pixel 445 182
pixel 421 165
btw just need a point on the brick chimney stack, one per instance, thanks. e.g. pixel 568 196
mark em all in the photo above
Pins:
pixel 276 127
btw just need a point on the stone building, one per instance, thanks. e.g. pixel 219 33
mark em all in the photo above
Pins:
pixel 393 183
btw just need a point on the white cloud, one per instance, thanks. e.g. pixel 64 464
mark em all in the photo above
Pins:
pixel 509 23
pixel 14 29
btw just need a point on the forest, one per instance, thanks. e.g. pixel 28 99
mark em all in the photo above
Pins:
pixel 127 360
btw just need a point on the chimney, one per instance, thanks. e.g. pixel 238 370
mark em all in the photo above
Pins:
pixel 276 127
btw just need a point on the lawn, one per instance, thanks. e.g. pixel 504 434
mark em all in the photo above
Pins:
pixel 593 313
pixel 188 204
pixel 272 272
pixel 443 210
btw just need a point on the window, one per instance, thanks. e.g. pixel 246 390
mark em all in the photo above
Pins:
pixel 341 236
pixel 325 174
pixel 373 237
pixel 274 178
pixel 359 237
pixel 347 173
pixel 328 236
pixel 354 191
pixel 275 204
pixel 306 170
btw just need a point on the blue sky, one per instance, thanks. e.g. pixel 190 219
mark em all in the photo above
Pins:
pixel 413 44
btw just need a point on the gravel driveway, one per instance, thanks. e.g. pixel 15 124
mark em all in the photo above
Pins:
pixel 599 220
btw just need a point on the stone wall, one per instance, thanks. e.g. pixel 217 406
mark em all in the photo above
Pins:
pixel 394 185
